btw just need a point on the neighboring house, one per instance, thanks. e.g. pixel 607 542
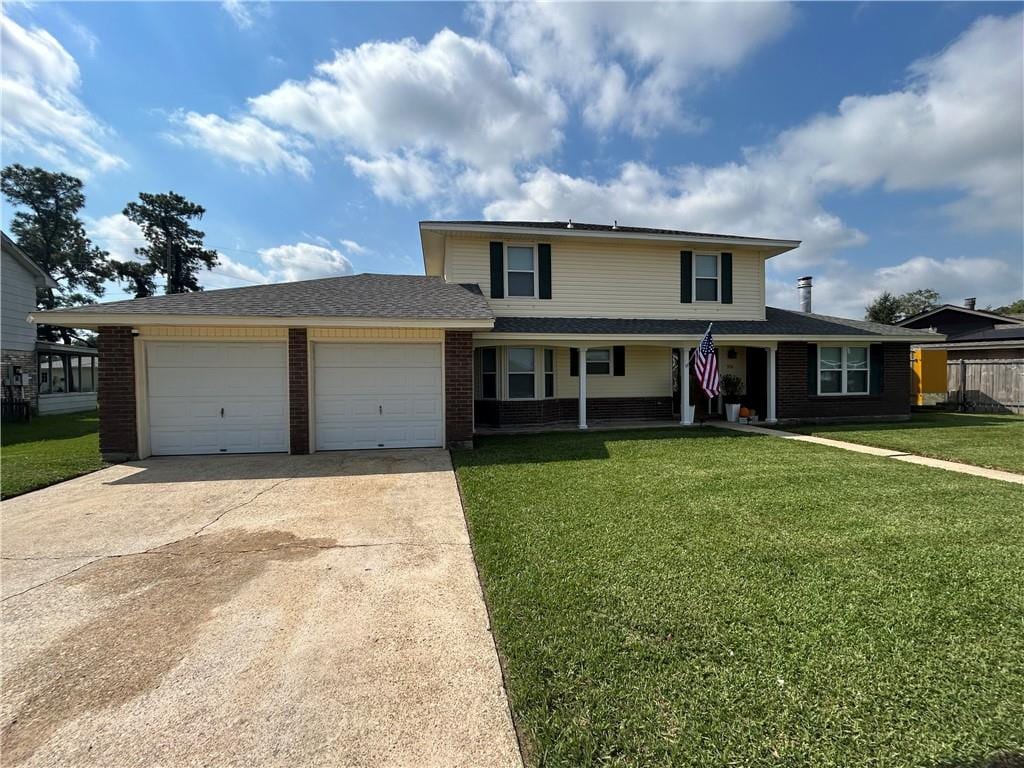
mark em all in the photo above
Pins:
pixel 989 350
pixel 514 323
pixel 50 378
pixel 971 334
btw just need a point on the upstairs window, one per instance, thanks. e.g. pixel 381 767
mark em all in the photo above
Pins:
pixel 521 271
pixel 705 277
pixel 842 370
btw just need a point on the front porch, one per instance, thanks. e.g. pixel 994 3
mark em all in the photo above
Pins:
pixel 555 385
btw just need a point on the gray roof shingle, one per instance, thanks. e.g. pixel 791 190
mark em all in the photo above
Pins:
pixel 579 225
pixel 368 295
pixel 778 322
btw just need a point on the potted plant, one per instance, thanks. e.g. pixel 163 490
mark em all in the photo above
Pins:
pixel 732 390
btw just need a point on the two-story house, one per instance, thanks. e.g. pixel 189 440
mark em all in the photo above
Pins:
pixel 513 324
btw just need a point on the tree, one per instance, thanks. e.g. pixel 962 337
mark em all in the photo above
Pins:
pixel 138 276
pixel 1016 308
pixel 175 248
pixel 884 309
pixel 53 236
pixel 914 302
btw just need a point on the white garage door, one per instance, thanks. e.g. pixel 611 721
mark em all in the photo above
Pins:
pixel 377 396
pixel 217 398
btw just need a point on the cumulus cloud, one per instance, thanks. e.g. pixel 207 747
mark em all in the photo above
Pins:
pixel 42 112
pixel 956 126
pixel 630 66
pixel 845 291
pixel 116 234
pixel 246 141
pixel 304 261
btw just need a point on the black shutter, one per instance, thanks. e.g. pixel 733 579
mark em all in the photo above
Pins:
pixel 544 266
pixel 618 361
pixel 497 271
pixel 574 361
pixel 727 278
pixel 812 370
pixel 876 359
pixel 686 277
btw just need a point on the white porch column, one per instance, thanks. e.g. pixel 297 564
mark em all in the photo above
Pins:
pixel 770 416
pixel 684 386
pixel 583 387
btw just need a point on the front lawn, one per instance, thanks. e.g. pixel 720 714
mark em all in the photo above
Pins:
pixel 984 439
pixel 719 599
pixel 48 450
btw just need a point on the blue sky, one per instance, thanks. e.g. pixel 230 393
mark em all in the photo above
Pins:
pixel 888 137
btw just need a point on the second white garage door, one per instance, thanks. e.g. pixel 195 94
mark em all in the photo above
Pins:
pixel 377 396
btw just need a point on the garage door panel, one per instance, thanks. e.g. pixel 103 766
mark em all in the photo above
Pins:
pixel 377 395
pixel 217 397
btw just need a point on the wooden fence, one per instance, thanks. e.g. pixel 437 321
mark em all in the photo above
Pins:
pixel 989 386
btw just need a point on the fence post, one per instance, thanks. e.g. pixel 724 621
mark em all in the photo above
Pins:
pixel 963 385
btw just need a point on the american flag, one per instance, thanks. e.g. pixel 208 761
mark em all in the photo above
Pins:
pixel 705 365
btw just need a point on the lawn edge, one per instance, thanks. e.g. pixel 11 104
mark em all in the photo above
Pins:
pixel 521 741
pixel 106 465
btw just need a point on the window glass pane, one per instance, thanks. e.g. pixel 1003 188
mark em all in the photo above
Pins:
pixel 707 266
pixel 831 381
pixel 549 360
pixel 831 358
pixel 490 386
pixel 57 382
pixel 520 258
pixel 520 360
pixel 44 374
pixel 520 283
pixel 489 359
pixel 857 381
pixel 707 290
pixel 857 357
pixel 520 385
pixel 599 361
pixel 74 377
pixel 549 385
pixel 88 376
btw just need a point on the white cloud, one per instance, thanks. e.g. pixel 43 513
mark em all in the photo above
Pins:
pixel 230 273
pixel 845 291
pixel 244 12
pixel 304 261
pixel 628 65
pixel 42 113
pixel 246 141
pixel 399 178
pixel 956 126
pixel 116 234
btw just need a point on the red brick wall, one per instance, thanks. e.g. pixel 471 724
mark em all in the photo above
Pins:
pixel 503 413
pixel 115 393
pixel 458 386
pixel 298 390
pixel 795 403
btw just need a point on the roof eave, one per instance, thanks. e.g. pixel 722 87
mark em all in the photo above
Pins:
pixel 94 320
pixel 769 246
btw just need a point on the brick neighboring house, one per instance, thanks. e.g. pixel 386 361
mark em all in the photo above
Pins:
pixel 513 324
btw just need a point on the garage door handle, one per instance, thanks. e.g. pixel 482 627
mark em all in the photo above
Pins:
pixel 222 413
pixel 380 408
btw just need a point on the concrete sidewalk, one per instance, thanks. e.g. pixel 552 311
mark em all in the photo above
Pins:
pixel 885 453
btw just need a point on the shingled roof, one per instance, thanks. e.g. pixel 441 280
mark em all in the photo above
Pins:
pixel 582 226
pixel 777 322
pixel 407 297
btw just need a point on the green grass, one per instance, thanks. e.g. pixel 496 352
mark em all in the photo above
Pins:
pixel 986 440
pixel 716 599
pixel 48 450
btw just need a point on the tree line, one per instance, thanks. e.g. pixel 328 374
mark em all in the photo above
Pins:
pixel 890 309
pixel 49 229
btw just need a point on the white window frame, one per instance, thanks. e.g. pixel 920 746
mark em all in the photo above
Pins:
pixel 534 249
pixel 718 278
pixel 611 362
pixel 843 392
pixel 509 373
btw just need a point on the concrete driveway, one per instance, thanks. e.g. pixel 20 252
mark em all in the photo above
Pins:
pixel 249 610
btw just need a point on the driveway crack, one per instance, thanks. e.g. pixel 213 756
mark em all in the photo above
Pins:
pixel 232 509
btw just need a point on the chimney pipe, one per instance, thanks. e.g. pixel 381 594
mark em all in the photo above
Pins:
pixel 803 285
pixel 969 303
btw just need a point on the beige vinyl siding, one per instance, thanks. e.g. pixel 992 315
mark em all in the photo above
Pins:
pixel 18 300
pixel 648 374
pixel 171 332
pixel 377 334
pixel 597 278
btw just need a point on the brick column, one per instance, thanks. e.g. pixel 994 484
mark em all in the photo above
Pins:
pixel 115 393
pixel 458 387
pixel 298 390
